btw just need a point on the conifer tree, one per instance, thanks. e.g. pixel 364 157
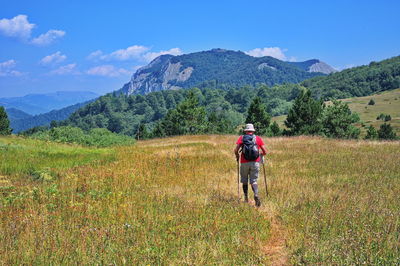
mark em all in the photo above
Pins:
pixel 304 118
pixel 4 122
pixel 142 132
pixel 338 121
pixel 386 132
pixel 275 130
pixel 188 118
pixel 258 116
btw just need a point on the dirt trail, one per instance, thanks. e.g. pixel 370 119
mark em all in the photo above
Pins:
pixel 275 248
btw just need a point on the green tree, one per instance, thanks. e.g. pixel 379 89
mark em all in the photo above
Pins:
pixel 371 133
pixel 304 118
pixel 258 116
pixel 142 132
pixel 274 129
pixel 338 121
pixel 386 132
pixel 371 102
pixel 4 122
pixel 188 118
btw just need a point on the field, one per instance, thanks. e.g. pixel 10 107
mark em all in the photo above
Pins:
pixel 387 102
pixel 174 201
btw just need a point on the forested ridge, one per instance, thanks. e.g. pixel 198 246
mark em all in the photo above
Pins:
pixel 124 114
pixel 357 81
pixel 234 68
pixel 226 108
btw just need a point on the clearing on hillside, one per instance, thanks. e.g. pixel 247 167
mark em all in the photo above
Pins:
pixel 386 102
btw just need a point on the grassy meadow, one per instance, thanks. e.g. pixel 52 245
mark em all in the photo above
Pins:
pixel 174 201
pixel 386 102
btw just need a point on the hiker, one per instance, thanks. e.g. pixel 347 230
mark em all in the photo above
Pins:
pixel 249 145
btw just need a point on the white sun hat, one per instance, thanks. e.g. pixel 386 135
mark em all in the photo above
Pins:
pixel 249 127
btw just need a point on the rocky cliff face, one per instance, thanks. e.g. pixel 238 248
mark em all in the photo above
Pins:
pixel 221 66
pixel 321 67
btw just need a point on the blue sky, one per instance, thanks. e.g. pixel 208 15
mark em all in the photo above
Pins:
pixel 97 45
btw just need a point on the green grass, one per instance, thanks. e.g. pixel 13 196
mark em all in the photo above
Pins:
pixel 387 102
pixel 23 156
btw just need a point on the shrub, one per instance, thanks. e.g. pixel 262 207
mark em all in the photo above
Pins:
pixel 98 137
pixel 386 132
pixel 381 116
pixel 371 133
pixel 371 102
pixel 102 137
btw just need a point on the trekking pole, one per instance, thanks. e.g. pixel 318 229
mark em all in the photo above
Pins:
pixel 265 177
pixel 237 162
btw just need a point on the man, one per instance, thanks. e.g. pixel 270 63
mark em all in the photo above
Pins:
pixel 249 169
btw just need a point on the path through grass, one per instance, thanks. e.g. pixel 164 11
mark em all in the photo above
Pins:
pixel 173 201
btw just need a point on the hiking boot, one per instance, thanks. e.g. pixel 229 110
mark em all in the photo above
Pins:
pixel 257 200
pixel 246 198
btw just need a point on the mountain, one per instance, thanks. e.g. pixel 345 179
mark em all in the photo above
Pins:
pixel 315 65
pixel 42 103
pixel 28 122
pixel 15 114
pixel 219 67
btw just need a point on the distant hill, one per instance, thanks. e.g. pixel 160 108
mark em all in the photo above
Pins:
pixel 357 81
pixel 22 124
pixel 219 68
pixel 15 114
pixel 34 104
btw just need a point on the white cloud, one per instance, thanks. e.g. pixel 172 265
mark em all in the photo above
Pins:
pixel 69 69
pixel 268 51
pixel 107 71
pixel 132 52
pixel 18 26
pixel 7 69
pixel 53 59
pixel 151 55
pixel 135 52
pixel 48 37
pixel 95 55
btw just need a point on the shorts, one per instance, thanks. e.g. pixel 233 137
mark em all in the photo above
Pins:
pixel 250 171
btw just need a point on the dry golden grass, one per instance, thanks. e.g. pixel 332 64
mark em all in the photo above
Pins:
pixel 173 201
